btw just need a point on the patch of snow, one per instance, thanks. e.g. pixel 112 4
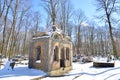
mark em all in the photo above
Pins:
pixel 41 37
pixel 38 61
pixel 20 72
pixel 58 31
pixel 49 33
pixel 24 62
pixel 102 59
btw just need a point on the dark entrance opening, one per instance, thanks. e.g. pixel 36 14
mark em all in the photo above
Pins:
pixel 62 60
pixel 62 63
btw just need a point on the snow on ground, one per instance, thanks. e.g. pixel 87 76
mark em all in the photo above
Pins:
pixel 88 72
pixel 79 72
pixel 20 72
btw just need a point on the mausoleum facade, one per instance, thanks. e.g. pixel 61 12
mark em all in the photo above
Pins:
pixel 51 52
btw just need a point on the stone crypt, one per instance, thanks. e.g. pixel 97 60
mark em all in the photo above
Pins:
pixel 51 52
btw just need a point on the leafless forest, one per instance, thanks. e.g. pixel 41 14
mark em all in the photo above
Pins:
pixel 18 23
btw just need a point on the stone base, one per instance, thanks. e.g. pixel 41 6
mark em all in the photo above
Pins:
pixel 103 64
pixel 59 72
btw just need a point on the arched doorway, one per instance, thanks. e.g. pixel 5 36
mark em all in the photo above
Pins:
pixel 56 54
pixel 62 59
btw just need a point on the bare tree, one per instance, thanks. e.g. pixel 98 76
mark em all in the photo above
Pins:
pixel 27 24
pixel 14 10
pixel 51 6
pixel 69 29
pixel 20 22
pixel 2 7
pixel 37 21
pixel 65 13
pixel 5 23
pixel 109 7
pixel 91 34
pixel 79 18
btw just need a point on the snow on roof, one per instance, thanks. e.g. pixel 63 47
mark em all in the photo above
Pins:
pixel 58 31
pixel 52 32
pixel 40 37
pixel 48 34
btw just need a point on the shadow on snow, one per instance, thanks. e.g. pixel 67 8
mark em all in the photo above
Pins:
pixel 95 73
pixel 20 71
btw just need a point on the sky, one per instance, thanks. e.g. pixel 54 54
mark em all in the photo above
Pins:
pixel 87 6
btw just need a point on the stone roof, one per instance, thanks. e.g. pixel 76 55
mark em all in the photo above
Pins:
pixel 57 34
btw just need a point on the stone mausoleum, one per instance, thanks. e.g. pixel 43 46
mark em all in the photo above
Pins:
pixel 51 52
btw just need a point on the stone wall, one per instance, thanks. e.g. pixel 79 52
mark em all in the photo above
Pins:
pixel 47 63
pixel 44 54
pixel 61 44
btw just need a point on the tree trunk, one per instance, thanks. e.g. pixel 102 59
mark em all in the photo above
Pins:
pixel 111 36
pixel 5 22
